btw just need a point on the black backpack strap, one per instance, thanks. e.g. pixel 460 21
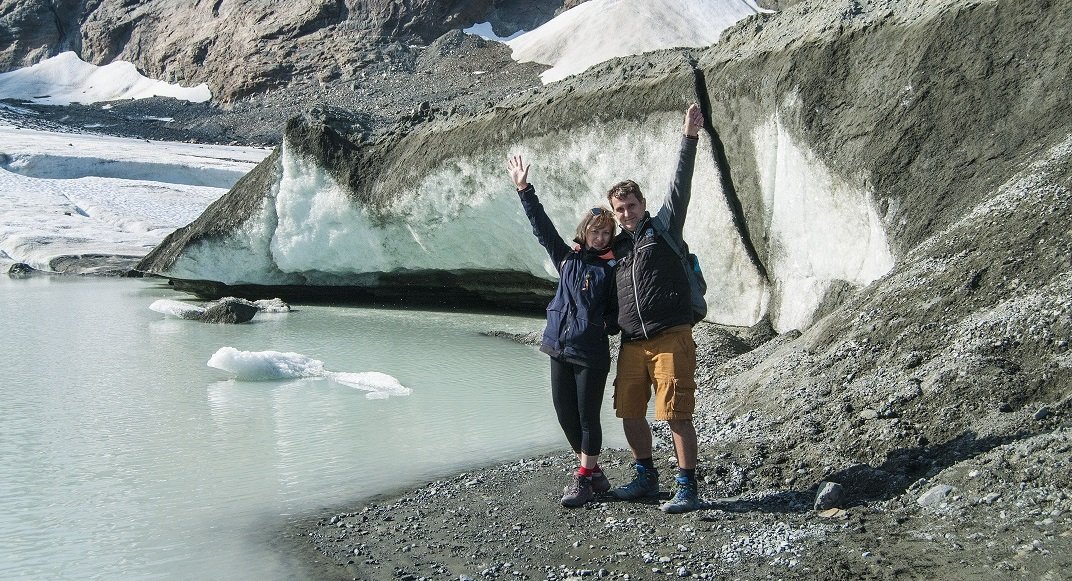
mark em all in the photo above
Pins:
pixel 657 223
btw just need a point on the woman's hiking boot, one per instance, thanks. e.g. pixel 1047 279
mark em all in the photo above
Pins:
pixel 600 483
pixel 687 498
pixel 578 492
pixel 646 483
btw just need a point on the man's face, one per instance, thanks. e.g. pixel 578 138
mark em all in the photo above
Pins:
pixel 629 210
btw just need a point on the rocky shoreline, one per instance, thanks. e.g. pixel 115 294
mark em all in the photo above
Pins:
pixel 987 508
pixel 504 522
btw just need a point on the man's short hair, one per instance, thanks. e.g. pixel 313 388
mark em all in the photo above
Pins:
pixel 622 190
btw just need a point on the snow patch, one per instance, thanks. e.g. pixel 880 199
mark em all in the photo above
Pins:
pixel 600 30
pixel 483 30
pixel 65 79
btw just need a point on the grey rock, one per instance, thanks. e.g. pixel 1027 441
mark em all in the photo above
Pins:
pixel 22 270
pixel 830 495
pixel 935 495
pixel 229 310
pixel 1043 413
pixel 869 414
pixel 533 338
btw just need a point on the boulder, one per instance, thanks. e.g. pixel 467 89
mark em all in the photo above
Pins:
pixel 935 495
pixel 21 270
pixel 830 495
pixel 229 310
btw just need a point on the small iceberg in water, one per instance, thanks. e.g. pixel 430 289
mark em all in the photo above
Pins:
pixel 274 365
pixel 225 310
pixel 177 309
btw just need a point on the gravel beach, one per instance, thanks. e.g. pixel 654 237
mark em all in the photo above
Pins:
pixel 994 508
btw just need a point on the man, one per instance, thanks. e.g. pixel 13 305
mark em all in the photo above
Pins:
pixel 655 316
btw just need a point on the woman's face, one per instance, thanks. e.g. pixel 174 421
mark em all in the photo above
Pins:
pixel 598 238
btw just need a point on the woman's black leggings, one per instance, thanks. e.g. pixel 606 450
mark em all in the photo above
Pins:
pixel 578 393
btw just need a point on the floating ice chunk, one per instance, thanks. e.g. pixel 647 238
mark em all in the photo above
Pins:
pixel 177 309
pixel 265 365
pixel 272 365
pixel 379 385
pixel 194 312
pixel 272 306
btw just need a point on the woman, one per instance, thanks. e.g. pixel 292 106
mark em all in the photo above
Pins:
pixel 579 318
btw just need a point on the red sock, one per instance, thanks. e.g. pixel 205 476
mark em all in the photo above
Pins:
pixel 597 470
pixel 585 472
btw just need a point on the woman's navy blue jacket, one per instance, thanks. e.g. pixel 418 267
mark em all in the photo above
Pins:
pixel 585 310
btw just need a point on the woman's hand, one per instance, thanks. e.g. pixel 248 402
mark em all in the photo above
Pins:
pixel 519 172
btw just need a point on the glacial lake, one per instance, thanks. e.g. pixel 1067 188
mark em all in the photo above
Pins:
pixel 124 456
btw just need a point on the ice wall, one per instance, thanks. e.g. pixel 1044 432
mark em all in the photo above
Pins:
pixel 310 230
pixel 464 214
pixel 820 227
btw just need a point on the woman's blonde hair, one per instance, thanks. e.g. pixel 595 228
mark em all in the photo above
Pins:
pixel 595 219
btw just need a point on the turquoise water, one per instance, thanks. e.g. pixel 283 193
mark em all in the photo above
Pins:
pixel 123 455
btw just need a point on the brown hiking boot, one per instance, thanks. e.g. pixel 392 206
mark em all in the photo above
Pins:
pixel 578 492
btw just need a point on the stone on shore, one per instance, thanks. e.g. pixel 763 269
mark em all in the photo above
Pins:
pixel 830 495
pixel 935 495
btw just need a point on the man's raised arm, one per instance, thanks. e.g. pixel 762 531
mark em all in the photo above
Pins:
pixel 676 205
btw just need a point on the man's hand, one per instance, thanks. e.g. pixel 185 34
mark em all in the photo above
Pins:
pixel 519 172
pixel 693 120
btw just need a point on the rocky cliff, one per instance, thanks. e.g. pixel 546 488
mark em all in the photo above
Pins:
pixel 245 47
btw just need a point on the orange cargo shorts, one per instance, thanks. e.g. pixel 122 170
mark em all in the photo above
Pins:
pixel 668 361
